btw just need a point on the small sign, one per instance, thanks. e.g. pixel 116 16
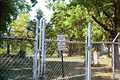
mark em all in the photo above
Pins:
pixel 61 46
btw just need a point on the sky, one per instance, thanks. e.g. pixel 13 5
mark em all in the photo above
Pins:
pixel 40 5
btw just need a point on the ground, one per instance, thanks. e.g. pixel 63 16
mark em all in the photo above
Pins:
pixel 21 68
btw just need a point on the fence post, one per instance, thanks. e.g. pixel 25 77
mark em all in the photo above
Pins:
pixel 89 52
pixel 114 56
pixel 39 57
pixel 35 54
pixel 86 55
pixel 43 63
pixel 113 62
pixel 44 51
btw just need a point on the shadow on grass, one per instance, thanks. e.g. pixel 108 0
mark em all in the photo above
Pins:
pixel 16 68
pixel 55 70
pixel 21 69
pixel 101 78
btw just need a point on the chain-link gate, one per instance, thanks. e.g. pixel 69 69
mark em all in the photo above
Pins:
pixel 71 63
pixel 40 58
pixel 58 65
pixel 65 64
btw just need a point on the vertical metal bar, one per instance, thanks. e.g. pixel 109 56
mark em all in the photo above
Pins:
pixel 62 64
pixel 113 62
pixel 34 62
pixel 86 55
pixel 89 52
pixel 45 61
pixel 43 40
pixel 114 55
pixel 36 46
pixel 39 48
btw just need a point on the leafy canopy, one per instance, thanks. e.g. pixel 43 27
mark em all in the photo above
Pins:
pixel 9 9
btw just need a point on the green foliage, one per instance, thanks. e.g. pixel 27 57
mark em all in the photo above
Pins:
pixel 39 14
pixel 34 2
pixel 9 10
pixel 31 27
pixel 104 15
pixel 72 19
pixel 19 26
pixel 3 51
pixel 50 33
pixel 98 33
pixel 68 20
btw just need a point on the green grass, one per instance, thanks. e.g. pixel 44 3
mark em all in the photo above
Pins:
pixel 12 68
pixel 75 66
pixel 16 68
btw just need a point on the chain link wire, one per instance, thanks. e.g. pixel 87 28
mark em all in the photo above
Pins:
pixel 18 64
pixel 102 61
pixel 73 61
pixel 16 59
pixel 117 61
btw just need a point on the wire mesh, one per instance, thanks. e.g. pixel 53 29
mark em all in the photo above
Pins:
pixel 16 59
pixel 117 61
pixel 102 61
pixel 72 63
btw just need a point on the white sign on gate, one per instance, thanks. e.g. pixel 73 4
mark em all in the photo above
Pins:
pixel 61 46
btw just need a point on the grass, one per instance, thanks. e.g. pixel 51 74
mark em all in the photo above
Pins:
pixel 104 71
pixel 75 66
pixel 12 68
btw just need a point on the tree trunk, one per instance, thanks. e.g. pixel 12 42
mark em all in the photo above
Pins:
pixel 109 51
pixel 8 48
pixel 70 50
pixel 70 47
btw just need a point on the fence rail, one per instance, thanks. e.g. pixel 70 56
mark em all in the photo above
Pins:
pixel 14 38
pixel 78 42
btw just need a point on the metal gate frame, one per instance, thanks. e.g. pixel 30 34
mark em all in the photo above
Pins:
pixel 41 73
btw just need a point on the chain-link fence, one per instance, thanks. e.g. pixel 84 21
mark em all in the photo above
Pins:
pixel 16 59
pixel 67 64
pixel 116 58
pixel 104 65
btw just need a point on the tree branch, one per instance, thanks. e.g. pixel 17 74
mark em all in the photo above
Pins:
pixel 115 13
pixel 101 24
pixel 112 22
pixel 106 14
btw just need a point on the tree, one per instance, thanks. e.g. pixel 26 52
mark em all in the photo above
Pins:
pixel 19 26
pixel 9 9
pixel 68 20
pixel 106 14
pixel 39 14
pixel 19 29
